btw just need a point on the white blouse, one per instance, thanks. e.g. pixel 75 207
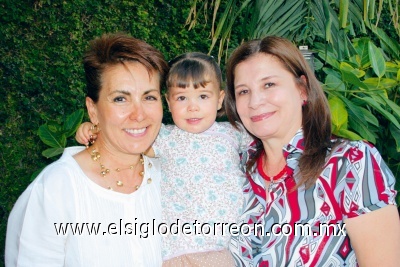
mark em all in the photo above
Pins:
pixel 63 197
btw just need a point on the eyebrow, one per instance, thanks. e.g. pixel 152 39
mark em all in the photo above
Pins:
pixel 262 79
pixel 128 93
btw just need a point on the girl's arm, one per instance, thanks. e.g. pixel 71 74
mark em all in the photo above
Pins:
pixel 84 134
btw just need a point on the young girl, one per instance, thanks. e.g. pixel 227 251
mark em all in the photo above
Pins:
pixel 201 178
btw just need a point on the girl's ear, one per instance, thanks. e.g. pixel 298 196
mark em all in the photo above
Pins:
pixel 92 110
pixel 221 99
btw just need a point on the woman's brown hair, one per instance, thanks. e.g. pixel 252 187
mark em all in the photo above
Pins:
pixel 111 49
pixel 316 121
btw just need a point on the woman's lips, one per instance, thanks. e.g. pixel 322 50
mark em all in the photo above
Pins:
pixel 261 116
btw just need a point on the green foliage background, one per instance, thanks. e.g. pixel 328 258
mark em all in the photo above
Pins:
pixel 41 75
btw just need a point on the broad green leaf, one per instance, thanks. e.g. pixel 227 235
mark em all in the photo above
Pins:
pixel 50 138
pixel 390 44
pixel 72 122
pixel 335 83
pixel 52 152
pixel 54 126
pixel 377 60
pixel 352 79
pixel 378 108
pixel 348 134
pixel 338 113
pixel 363 130
pixel 362 114
pixel 392 67
pixel 380 83
pixel 361 46
pixel 398 75
pixel 369 117
pixel 396 135
pixel 393 106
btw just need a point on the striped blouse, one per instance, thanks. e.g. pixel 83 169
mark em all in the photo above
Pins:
pixel 304 227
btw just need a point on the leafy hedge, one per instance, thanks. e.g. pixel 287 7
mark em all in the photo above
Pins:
pixel 41 74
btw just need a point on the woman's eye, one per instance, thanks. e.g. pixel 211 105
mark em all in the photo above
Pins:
pixel 268 85
pixel 119 99
pixel 151 98
pixel 243 92
pixel 181 98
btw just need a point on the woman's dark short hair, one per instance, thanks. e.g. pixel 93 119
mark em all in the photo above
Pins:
pixel 112 49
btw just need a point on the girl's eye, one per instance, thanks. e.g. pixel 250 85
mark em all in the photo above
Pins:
pixel 268 85
pixel 203 96
pixel 119 99
pixel 181 98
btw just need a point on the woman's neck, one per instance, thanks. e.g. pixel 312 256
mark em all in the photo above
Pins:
pixel 273 159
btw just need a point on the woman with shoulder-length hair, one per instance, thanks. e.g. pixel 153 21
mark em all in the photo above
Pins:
pixel 312 199
pixel 93 207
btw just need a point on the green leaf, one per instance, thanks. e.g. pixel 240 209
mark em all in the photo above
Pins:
pixel 335 83
pixel 352 79
pixel 377 60
pixel 50 138
pixel 348 134
pixel 362 129
pixel 72 122
pixel 343 12
pixel 396 135
pixel 378 108
pixel 380 83
pixel 338 112
pixel 52 152
pixel 393 106
pixel 361 47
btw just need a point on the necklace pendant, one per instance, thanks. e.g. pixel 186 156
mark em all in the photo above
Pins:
pixel 137 187
pixel 120 183
pixel 110 188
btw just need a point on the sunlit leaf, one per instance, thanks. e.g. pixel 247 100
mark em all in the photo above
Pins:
pixel 348 134
pixel 377 60
pixel 338 112
pixel 380 83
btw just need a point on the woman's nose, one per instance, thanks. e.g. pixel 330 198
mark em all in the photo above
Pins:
pixel 137 113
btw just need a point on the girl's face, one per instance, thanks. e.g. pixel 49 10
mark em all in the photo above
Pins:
pixel 129 110
pixel 195 110
pixel 268 99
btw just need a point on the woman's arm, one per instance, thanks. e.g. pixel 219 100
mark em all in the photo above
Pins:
pixel 375 237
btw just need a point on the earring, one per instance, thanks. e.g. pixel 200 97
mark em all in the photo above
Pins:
pixel 95 129
pixel 305 102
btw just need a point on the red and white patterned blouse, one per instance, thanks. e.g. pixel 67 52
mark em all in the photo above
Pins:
pixel 296 222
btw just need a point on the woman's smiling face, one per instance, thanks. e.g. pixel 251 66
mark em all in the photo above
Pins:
pixel 129 109
pixel 268 98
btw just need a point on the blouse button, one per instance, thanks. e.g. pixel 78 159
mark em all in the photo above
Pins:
pixel 149 181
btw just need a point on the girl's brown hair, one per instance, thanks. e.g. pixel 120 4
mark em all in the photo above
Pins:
pixel 316 121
